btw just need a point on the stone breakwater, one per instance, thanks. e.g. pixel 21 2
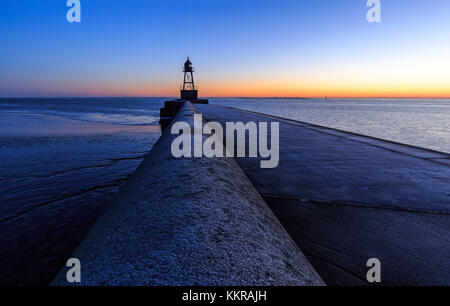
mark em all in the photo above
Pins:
pixel 189 221
pixel 344 199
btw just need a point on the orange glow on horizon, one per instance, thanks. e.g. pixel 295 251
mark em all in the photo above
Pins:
pixel 233 92
pixel 313 87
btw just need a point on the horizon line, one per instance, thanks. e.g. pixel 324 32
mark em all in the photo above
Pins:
pixel 226 97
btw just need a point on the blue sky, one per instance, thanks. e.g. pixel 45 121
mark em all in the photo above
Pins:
pixel 239 48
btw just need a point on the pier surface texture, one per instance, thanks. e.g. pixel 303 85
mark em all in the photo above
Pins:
pixel 189 221
pixel 346 198
pixel 341 198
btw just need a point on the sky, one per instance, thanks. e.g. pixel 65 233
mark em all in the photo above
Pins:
pixel 260 48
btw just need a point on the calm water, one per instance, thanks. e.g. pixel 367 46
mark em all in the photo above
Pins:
pixel 63 161
pixel 423 123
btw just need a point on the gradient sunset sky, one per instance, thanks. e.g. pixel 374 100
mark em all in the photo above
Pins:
pixel 282 48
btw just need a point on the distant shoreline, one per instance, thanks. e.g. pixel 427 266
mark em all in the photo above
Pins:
pixel 256 98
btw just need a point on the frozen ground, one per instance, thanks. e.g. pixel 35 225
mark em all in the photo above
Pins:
pixel 57 176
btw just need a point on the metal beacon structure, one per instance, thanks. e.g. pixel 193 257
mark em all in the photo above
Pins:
pixel 188 93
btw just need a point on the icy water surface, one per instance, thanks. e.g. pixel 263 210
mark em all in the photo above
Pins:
pixel 63 161
pixel 422 123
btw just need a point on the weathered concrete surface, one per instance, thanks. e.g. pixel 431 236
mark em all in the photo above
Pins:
pixel 190 221
pixel 345 198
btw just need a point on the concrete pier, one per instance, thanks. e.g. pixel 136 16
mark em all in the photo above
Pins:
pixel 345 198
pixel 338 198
pixel 171 108
pixel 189 221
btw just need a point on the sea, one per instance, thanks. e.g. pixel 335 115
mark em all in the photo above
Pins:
pixel 63 160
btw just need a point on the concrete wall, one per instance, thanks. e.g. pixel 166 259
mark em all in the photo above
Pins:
pixel 189 221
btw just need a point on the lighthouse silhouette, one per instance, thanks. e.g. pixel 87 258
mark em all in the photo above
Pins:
pixel 189 93
pixel 188 90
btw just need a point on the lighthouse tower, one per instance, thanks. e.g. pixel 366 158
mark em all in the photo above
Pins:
pixel 188 93
pixel 188 90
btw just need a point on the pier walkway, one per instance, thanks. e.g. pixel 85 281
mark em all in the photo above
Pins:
pixel 345 198
pixel 335 201
pixel 189 221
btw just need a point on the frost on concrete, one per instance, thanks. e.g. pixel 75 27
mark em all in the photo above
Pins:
pixel 190 221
